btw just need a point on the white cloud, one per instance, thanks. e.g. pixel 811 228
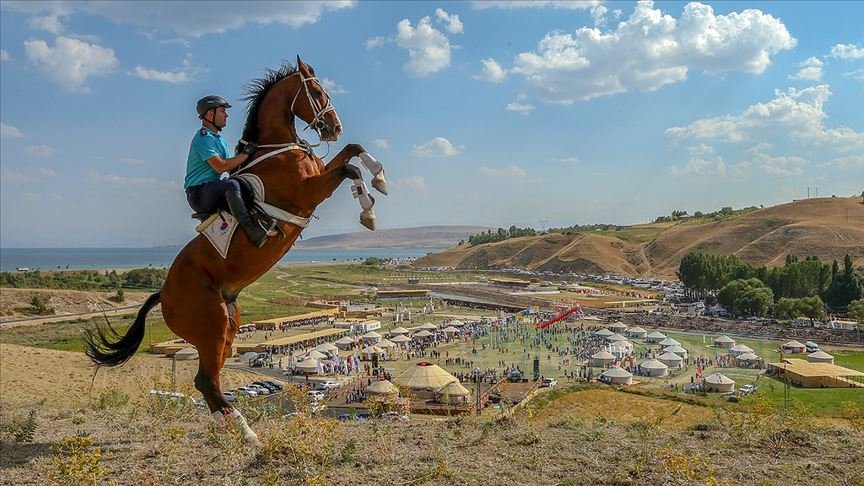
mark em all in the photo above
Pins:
pixel 649 50
pixel 70 62
pixel 847 51
pixel 132 162
pixel 174 77
pixel 492 72
pixel 437 147
pixel 189 19
pixel 4 55
pixel 598 13
pixel 31 196
pixel 797 114
pixel 559 4
pixel 850 162
pixel 47 172
pixel 381 143
pixel 117 180
pixel 40 151
pixel 454 25
pixel 783 166
pixel 331 87
pixel 375 42
pixel 569 160
pixel 512 171
pixel 811 70
pixel 519 105
pixel 701 149
pixel 413 183
pixel 50 23
pixel 701 167
pixel 7 175
pixel 8 131
pixel 428 49
pixel 856 74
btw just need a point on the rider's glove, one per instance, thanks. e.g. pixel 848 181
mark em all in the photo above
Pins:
pixel 250 148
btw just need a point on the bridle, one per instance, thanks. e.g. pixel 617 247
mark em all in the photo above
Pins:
pixel 318 112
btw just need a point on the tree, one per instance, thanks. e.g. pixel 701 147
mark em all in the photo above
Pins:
pixel 812 307
pixel 749 297
pixel 39 306
pixel 856 310
pixel 846 286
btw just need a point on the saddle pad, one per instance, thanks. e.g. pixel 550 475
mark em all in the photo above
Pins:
pixel 219 230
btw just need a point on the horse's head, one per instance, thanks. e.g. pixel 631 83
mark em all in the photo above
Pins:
pixel 312 104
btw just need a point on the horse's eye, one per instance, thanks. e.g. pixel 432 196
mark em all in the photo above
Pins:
pixel 317 94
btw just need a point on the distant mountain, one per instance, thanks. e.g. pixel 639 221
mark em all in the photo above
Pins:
pixel 828 228
pixel 434 237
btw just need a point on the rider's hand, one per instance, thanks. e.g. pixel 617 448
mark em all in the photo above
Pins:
pixel 250 148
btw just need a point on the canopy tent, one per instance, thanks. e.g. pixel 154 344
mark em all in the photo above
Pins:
pixel 451 330
pixel 386 343
pixel 186 354
pixel 615 337
pixel 326 348
pixel 670 359
pixel 400 330
pixel 382 387
pixel 316 354
pixel 655 337
pixel 401 338
pixel 820 357
pixel 371 336
pixel 617 326
pixel 372 349
pixel 428 327
pixel 652 367
pixel 669 342
pixel 719 383
pixel 618 376
pixel 308 366
pixel 422 334
pixel 425 379
pixel 637 332
pixel 603 332
pixel 345 341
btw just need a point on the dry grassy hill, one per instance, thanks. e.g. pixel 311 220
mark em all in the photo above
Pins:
pixel 828 228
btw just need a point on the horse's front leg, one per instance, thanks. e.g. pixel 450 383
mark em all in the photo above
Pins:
pixel 347 153
pixel 372 165
pixel 320 187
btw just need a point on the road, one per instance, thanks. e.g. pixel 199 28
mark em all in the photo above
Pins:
pixel 32 321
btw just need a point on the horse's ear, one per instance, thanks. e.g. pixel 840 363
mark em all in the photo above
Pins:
pixel 299 62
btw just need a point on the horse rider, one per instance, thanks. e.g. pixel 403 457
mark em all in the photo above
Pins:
pixel 208 159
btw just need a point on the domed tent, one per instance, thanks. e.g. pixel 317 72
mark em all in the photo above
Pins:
pixel 719 383
pixel 652 367
pixel 747 357
pixel 637 332
pixel 451 330
pixel 820 357
pixel 326 348
pixel 400 339
pixel 428 327
pixel 615 337
pixel 452 393
pixel 603 332
pixel 425 378
pixel 602 358
pixel 399 330
pixel 386 343
pixel 671 360
pixel 793 347
pixel 617 326
pixel 740 349
pixel 371 337
pixel 724 342
pixel 669 342
pixel 677 350
pixel 422 334
pixel 382 387
pixel 456 323
pixel 191 353
pixel 618 376
pixel 345 343
pixel 655 337
pixel 316 355
pixel 308 366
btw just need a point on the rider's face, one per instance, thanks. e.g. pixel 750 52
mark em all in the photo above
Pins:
pixel 220 118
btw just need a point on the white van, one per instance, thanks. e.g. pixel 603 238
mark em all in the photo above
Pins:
pixel 811 347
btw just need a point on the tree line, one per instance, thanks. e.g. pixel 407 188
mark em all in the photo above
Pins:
pixel 722 213
pixel 490 236
pixel 139 278
pixel 800 288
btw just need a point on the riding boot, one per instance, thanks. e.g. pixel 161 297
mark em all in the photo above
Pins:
pixel 256 233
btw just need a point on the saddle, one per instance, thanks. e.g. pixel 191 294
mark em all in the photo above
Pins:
pixel 248 193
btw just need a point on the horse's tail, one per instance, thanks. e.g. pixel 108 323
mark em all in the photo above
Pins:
pixel 107 348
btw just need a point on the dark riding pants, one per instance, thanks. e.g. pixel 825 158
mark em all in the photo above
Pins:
pixel 210 197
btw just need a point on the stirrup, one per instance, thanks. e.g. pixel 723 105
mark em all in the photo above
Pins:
pixel 270 229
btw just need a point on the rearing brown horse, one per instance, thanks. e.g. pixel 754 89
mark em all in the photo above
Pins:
pixel 199 297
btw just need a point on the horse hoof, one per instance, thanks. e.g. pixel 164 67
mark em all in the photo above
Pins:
pixel 367 218
pixel 380 183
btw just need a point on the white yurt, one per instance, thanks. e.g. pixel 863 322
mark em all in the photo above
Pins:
pixel 793 347
pixel 192 353
pixel 453 393
pixel 820 357
pixel 740 349
pixel 308 366
pixel 345 343
pixel 652 367
pixel 427 327
pixel 326 348
pixel 655 337
pixel 719 383
pixel 370 350
pixel 671 360
pixel 386 344
pixel 603 332
pixel 315 354
pixel 618 376
pixel 617 326
pixel 677 350
pixel 451 330
pixel 400 339
pixel 620 349
pixel 371 337
pixel 456 323
pixel 747 357
pixel 382 387
pixel 615 337
pixel 637 332
pixel 422 334
pixel 724 342
pixel 602 358
pixel 669 342
pixel 399 330
pixel 425 379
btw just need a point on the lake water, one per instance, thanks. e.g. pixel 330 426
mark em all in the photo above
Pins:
pixel 93 258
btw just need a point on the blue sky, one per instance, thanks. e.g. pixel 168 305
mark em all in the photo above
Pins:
pixel 488 113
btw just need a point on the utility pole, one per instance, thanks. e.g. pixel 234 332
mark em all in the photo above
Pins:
pixel 543 224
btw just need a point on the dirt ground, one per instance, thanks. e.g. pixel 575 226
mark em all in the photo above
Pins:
pixel 14 302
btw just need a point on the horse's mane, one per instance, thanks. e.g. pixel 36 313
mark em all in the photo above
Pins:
pixel 256 90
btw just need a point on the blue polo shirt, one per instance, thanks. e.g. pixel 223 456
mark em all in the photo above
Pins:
pixel 205 145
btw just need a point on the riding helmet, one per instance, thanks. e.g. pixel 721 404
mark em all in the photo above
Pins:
pixel 208 103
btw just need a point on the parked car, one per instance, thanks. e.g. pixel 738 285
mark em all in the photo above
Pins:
pixel 246 392
pixel 747 389
pixel 265 385
pixel 260 390
pixel 314 395
pixel 328 385
pixel 275 385
pixel 229 396
pixel 811 347
pixel 549 382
